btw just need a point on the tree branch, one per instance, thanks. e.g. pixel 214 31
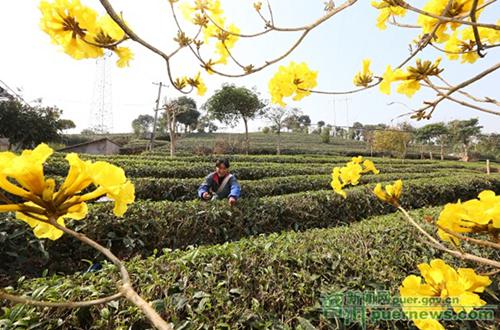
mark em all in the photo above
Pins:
pixel 475 30
pixel 433 242
pixel 445 19
pixel 470 239
pixel 67 304
pixel 126 288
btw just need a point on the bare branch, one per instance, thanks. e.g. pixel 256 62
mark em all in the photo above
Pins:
pixel 470 239
pixel 113 14
pixel 447 96
pixel 345 92
pixel 474 28
pixel 465 83
pixel 445 19
pixel 67 304
pixel 126 288
pixel 438 245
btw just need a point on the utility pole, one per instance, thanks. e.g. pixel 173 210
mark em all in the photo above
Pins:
pixel 157 108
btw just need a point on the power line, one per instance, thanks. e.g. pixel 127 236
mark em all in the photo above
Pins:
pixel 13 92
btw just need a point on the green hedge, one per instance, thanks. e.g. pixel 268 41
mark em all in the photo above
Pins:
pixel 266 282
pixel 154 225
pixel 250 159
pixel 157 189
pixel 244 171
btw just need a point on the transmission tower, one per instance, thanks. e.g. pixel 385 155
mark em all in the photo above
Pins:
pixel 101 108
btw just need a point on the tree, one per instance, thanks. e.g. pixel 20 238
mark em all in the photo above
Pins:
pixel 489 146
pixel 172 110
pixel 320 124
pixel 88 132
pixel 325 135
pixel 304 122
pixel 368 134
pixel 392 140
pixel 142 125
pixel 230 104
pixel 291 122
pixel 461 134
pixel 189 117
pixel 356 131
pixel 27 126
pixel 278 116
pixel 205 124
pixel 431 134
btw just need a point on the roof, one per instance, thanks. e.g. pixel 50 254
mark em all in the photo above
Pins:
pixel 88 143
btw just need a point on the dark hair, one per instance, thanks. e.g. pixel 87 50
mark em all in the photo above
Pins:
pixel 221 161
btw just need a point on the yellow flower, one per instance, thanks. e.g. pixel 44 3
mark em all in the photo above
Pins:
pixel 443 285
pixel 27 169
pixel 437 7
pixel 365 77
pixel 294 80
pixel 44 204
pixel 226 42
pixel 410 80
pixel 389 77
pixel 408 87
pixel 42 229
pixel 357 159
pixel 475 215
pixel 386 10
pixel 350 174
pixel 125 55
pixel 197 83
pixel 370 167
pixel 391 193
pixel 336 184
pixel 69 24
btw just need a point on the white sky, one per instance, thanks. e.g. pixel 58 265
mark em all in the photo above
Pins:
pixel 29 61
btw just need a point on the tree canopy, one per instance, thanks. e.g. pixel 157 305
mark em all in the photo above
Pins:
pixel 26 126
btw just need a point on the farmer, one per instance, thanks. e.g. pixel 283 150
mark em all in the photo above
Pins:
pixel 220 184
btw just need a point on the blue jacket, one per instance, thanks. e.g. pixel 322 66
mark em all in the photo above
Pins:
pixel 212 183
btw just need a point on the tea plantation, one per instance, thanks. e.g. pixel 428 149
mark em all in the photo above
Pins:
pixel 265 263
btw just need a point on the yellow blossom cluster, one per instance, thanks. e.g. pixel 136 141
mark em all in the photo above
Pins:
pixel 365 76
pixel 295 80
pixel 209 15
pixel 473 216
pixel 390 193
pixel 351 173
pixel 410 79
pixel 44 203
pixel 442 286
pixel 387 9
pixel 458 9
pixel 195 82
pixel 462 44
pixel 80 32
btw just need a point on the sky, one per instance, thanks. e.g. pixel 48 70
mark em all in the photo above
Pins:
pixel 335 49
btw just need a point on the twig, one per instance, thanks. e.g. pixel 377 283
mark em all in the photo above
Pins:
pixel 126 288
pixel 67 304
pixel 472 97
pixel 465 83
pixel 306 29
pixel 469 105
pixel 438 245
pixel 426 39
pixel 469 239
pixel 462 52
pixel 112 13
pixel 345 92
pixel 445 19
pixel 475 30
